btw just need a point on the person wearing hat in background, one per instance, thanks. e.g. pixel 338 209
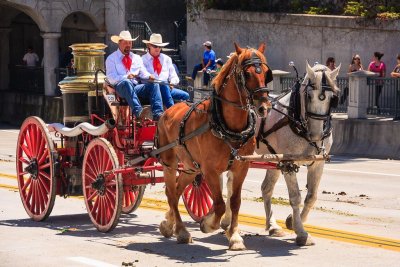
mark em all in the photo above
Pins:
pixel 160 65
pixel 208 63
pixel 219 64
pixel 124 71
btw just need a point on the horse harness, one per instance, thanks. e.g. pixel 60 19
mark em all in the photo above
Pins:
pixel 297 115
pixel 216 123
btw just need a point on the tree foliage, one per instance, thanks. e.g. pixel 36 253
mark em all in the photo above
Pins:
pixel 381 9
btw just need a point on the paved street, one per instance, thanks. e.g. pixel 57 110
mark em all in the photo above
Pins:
pixel 358 195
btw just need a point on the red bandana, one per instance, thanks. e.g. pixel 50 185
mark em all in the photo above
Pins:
pixel 157 65
pixel 127 61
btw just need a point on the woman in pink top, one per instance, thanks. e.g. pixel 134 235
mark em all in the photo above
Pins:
pixel 378 66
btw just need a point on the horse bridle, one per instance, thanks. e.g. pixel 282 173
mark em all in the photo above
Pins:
pixel 322 96
pixel 240 81
pixel 300 127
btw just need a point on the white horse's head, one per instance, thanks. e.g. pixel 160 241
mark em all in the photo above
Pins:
pixel 319 93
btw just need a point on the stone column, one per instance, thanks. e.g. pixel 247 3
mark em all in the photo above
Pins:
pixel 115 20
pixel 358 94
pixel 50 60
pixel 4 58
pixel 275 85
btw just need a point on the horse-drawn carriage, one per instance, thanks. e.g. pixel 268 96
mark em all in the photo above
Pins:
pixel 107 155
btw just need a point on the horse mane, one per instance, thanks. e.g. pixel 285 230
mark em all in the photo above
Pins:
pixel 226 69
pixel 234 59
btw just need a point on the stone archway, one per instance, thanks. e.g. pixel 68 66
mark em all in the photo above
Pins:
pixel 77 27
pixel 20 28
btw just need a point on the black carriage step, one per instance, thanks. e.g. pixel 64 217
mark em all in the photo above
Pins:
pixel 117 103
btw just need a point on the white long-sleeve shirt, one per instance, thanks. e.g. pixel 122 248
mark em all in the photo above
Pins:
pixel 116 71
pixel 167 74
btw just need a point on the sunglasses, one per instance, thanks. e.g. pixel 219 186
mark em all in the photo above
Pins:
pixel 154 46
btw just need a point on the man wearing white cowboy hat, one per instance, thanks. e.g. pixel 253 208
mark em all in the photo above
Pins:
pixel 160 65
pixel 207 64
pixel 124 70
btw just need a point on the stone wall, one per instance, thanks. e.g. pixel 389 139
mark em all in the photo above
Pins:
pixel 294 37
pixel 366 138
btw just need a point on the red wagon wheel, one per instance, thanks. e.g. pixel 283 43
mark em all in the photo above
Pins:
pixel 132 198
pixel 102 189
pixel 197 198
pixel 35 169
pixel 133 195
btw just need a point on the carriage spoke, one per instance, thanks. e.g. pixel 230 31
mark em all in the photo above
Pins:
pixel 43 157
pixel 28 144
pixel 33 140
pixel 42 197
pixel 94 209
pixel 44 166
pixel 35 198
pixel 23 160
pixel 92 169
pixel 93 163
pixel 92 195
pixel 45 185
pixel 207 200
pixel 102 210
pixel 90 177
pixel 26 150
pixel 26 184
pixel 45 175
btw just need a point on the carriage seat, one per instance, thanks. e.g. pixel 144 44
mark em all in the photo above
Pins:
pixel 112 96
pixel 119 101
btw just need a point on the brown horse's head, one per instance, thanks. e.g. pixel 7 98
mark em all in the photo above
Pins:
pixel 251 72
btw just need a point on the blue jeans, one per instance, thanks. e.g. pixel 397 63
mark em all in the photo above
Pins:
pixel 149 91
pixel 206 76
pixel 169 96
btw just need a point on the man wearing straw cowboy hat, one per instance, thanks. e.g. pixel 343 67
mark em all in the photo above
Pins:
pixel 160 65
pixel 124 70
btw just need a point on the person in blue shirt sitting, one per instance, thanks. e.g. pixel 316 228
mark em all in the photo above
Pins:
pixel 207 64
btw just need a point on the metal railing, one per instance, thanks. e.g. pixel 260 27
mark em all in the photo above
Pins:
pixel 342 83
pixel 27 79
pixel 180 32
pixel 140 29
pixel 383 96
pixel 287 83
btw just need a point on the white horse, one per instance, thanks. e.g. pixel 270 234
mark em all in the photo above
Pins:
pixel 299 126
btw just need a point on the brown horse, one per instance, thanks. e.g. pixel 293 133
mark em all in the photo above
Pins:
pixel 211 133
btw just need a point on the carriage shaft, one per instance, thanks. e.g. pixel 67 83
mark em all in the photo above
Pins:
pixel 284 157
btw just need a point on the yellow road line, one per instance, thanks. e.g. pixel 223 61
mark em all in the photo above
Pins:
pixel 257 221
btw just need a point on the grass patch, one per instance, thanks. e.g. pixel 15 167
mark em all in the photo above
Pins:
pixel 275 201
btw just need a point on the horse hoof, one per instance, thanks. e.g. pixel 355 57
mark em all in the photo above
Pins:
pixel 184 237
pixel 206 228
pixel 289 222
pixel 305 240
pixel 225 226
pixel 165 230
pixel 237 246
pixel 277 233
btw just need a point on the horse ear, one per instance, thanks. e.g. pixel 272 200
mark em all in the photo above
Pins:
pixel 335 72
pixel 262 47
pixel 238 49
pixel 310 72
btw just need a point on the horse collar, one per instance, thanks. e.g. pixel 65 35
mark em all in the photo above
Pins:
pixel 220 129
